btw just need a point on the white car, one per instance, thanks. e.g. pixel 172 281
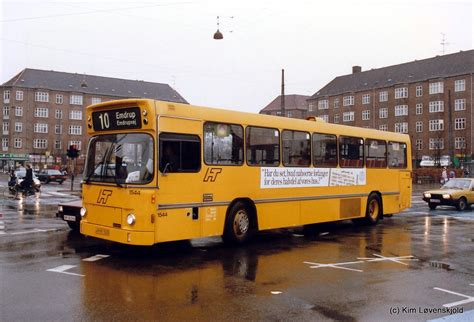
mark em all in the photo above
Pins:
pixel 427 161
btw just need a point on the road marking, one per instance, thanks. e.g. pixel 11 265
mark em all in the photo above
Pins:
pixel 63 268
pixel 95 258
pixel 335 265
pixel 468 299
pixel 391 259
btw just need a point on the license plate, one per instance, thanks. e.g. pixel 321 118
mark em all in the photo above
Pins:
pixel 102 231
pixel 435 200
pixel 69 218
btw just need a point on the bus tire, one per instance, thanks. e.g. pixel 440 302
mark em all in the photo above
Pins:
pixel 239 223
pixel 373 211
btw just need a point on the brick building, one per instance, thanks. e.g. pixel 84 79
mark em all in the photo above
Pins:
pixel 430 99
pixel 44 112
pixel 295 106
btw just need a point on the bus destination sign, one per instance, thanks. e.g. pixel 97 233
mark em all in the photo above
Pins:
pixel 122 119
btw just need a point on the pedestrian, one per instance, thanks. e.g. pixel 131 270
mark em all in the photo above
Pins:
pixel 444 176
pixel 452 174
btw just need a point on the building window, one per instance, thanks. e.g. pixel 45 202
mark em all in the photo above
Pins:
pixel 383 96
pixel 366 99
pixel 58 114
pixel 6 127
pixel 19 95
pixel 436 144
pixel 401 127
pixel 76 143
pixel 57 145
pixel 40 143
pixel 336 118
pixel 419 91
pixel 436 88
pixel 4 144
pixel 19 111
pixel 41 128
pixel 6 96
pixel 336 103
pixel 59 98
pixel 17 143
pixel 459 143
pixel 348 116
pixel 323 104
pixel 383 113
pixel 348 100
pixel 419 144
pixel 75 100
pixel 436 125
pixel 96 100
pixel 310 107
pixel 325 117
pixel 288 114
pixel 41 97
pixel 383 127
pixel 77 115
pixel 419 126
pixel 419 109
pixel 401 92
pixel 58 129
pixel 460 104
pixel 6 112
pixel 75 129
pixel 401 110
pixel 278 113
pixel 460 85
pixel 460 123
pixel 41 112
pixel 436 106
pixel 366 115
pixel 18 127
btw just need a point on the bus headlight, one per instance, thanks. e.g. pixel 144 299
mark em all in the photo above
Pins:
pixel 83 212
pixel 131 219
pixel 427 195
pixel 446 196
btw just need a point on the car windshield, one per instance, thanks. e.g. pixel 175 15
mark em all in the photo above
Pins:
pixel 457 184
pixel 120 158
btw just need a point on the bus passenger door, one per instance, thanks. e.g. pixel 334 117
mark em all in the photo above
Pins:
pixel 405 183
pixel 179 180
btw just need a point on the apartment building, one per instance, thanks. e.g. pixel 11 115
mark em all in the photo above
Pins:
pixel 295 106
pixel 429 99
pixel 43 112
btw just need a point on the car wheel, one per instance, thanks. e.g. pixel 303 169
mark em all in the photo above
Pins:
pixel 462 204
pixel 432 205
pixel 75 226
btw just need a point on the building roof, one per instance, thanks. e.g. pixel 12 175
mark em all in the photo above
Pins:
pixel 292 102
pixel 96 85
pixel 419 70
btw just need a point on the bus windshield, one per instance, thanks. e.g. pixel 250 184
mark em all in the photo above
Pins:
pixel 120 158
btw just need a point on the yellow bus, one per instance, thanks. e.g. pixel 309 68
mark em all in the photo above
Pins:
pixel 159 171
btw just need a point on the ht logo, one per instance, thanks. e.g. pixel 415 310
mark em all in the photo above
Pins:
pixel 211 174
pixel 104 196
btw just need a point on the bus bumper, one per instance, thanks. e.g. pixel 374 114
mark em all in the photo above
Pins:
pixel 129 237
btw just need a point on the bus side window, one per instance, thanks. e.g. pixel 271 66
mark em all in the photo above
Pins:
pixel 223 144
pixel 397 155
pixel 351 152
pixel 296 148
pixel 375 153
pixel 179 153
pixel 263 146
pixel 324 150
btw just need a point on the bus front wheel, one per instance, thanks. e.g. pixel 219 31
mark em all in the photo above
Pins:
pixel 238 226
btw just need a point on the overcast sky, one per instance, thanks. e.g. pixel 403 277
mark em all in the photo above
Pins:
pixel 171 42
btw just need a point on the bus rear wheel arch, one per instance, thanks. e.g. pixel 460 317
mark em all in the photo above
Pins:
pixel 373 210
pixel 240 223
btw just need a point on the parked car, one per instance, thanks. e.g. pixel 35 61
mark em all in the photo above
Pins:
pixel 48 175
pixel 457 192
pixel 21 174
pixel 70 212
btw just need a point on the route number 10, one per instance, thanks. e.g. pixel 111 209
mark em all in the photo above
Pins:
pixel 104 121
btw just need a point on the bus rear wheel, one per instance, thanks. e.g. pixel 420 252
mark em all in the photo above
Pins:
pixel 238 226
pixel 373 211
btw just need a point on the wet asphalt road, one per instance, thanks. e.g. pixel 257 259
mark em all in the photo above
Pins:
pixel 402 269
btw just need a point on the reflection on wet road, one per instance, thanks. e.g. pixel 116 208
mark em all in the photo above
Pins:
pixel 407 268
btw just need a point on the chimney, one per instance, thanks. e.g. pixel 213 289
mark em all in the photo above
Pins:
pixel 356 69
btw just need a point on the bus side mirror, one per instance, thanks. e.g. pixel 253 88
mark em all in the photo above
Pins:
pixel 165 170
